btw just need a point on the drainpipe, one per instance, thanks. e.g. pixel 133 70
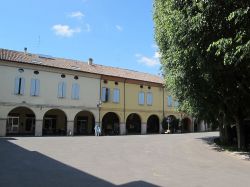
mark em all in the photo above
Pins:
pixel 99 107
pixel 124 103
pixel 163 107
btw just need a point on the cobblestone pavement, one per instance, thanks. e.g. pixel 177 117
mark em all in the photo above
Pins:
pixel 143 160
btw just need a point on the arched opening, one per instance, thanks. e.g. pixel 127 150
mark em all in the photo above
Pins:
pixel 153 124
pixel 133 124
pixel 84 123
pixel 21 121
pixel 196 125
pixel 186 125
pixel 54 122
pixel 170 124
pixel 110 124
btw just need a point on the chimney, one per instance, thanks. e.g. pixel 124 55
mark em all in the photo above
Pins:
pixel 25 50
pixel 90 62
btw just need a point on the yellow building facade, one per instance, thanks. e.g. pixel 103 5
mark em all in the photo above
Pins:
pixel 44 95
pixel 138 103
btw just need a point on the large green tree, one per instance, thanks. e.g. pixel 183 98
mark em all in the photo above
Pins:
pixel 205 57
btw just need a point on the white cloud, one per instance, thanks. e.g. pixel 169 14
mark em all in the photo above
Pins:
pixel 157 55
pixel 119 28
pixel 87 28
pixel 77 14
pixel 148 61
pixel 65 30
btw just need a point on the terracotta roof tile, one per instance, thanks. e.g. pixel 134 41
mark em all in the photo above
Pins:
pixel 16 56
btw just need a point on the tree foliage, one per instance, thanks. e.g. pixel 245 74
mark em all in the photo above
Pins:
pixel 205 56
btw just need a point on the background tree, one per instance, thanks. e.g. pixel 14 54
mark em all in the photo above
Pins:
pixel 205 51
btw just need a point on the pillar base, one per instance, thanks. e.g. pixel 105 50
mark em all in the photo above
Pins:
pixel 143 128
pixel 122 129
pixel 70 128
pixel 160 129
pixel 3 127
pixel 39 127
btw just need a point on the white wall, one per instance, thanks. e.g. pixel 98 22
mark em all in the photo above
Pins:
pixel 49 79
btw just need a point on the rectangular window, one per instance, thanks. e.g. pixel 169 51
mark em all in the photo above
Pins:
pixel 105 94
pixel 170 101
pixel 176 104
pixel 141 98
pixel 75 91
pixel 19 85
pixel 116 95
pixel 35 87
pixel 62 90
pixel 149 98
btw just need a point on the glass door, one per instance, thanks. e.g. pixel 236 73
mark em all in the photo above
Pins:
pixel 13 124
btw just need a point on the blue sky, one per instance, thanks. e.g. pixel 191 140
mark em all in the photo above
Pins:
pixel 115 33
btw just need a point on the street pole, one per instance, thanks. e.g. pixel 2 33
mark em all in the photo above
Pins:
pixel 168 120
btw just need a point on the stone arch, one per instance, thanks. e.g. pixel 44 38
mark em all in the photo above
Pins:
pixel 153 123
pixel 55 122
pixel 110 124
pixel 171 124
pixel 196 125
pixel 84 123
pixel 186 125
pixel 133 124
pixel 21 121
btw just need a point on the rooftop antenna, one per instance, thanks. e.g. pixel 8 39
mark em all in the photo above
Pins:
pixel 25 50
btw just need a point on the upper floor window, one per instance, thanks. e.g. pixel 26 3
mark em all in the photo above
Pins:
pixel 141 98
pixel 19 85
pixel 62 90
pixel 149 98
pixel 35 87
pixel 176 104
pixel 75 91
pixel 105 94
pixel 170 101
pixel 116 95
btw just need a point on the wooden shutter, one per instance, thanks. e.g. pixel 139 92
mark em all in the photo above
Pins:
pixel 16 90
pixel 149 98
pixel 103 98
pixel 60 89
pixel 64 89
pixel 141 98
pixel 116 95
pixel 77 91
pixel 33 87
pixel 170 100
pixel 37 90
pixel 22 86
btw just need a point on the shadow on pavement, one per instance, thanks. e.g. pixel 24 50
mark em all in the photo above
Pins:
pixel 24 168
pixel 210 141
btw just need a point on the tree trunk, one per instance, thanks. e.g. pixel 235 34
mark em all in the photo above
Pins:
pixel 226 138
pixel 222 132
pixel 240 134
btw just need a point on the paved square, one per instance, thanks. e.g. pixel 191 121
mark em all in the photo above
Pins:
pixel 143 160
